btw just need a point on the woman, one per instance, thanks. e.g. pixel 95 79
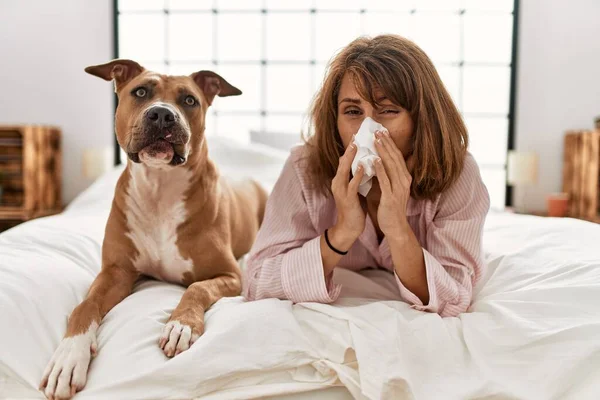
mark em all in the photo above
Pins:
pixel 423 217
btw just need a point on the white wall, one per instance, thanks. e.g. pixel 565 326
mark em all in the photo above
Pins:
pixel 44 47
pixel 558 83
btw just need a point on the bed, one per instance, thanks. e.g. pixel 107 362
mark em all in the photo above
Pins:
pixel 532 332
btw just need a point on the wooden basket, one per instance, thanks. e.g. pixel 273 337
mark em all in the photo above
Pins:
pixel 581 173
pixel 30 171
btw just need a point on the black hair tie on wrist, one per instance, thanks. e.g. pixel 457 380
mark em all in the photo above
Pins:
pixel 331 247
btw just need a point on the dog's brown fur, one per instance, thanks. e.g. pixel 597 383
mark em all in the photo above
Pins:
pixel 222 218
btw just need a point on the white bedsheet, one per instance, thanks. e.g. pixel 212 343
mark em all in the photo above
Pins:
pixel 533 331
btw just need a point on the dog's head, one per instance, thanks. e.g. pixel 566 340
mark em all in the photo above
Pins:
pixel 160 118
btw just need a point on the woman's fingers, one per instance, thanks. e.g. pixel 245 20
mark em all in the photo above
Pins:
pixel 356 179
pixel 393 161
pixel 399 160
pixel 382 177
pixel 394 151
pixel 341 178
pixel 346 160
pixel 389 163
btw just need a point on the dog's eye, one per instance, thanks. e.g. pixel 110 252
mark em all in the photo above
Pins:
pixel 141 92
pixel 190 101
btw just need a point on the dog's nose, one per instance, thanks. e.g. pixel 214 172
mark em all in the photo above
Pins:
pixel 160 116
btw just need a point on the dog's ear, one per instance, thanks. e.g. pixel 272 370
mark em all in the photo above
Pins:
pixel 121 71
pixel 212 85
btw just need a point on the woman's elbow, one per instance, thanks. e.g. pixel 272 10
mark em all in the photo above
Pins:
pixel 252 293
pixel 248 295
pixel 457 306
pixel 258 284
pixel 249 281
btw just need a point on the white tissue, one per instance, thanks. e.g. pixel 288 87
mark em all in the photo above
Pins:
pixel 366 153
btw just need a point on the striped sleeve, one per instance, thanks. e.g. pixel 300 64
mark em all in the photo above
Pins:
pixel 452 252
pixel 285 261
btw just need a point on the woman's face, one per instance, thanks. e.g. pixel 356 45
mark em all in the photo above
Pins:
pixel 353 109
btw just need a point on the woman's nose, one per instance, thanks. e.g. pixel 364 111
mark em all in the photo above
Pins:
pixel 369 115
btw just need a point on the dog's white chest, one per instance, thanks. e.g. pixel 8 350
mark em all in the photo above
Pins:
pixel 155 208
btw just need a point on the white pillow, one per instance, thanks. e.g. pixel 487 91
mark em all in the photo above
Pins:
pixel 278 140
pixel 239 160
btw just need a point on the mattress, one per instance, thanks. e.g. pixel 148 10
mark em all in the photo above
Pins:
pixel 532 331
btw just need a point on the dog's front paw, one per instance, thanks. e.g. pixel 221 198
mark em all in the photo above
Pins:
pixel 66 373
pixel 178 337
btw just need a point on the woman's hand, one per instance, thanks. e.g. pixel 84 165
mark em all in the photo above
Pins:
pixel 350 215
pixel 394 180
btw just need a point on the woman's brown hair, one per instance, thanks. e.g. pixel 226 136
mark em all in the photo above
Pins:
pixel 407 77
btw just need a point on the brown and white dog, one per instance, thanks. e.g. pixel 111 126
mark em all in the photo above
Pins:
pixel 172 218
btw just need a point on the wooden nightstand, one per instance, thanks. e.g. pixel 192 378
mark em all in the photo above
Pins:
pixel 30 173
pixel 545 214
pixel 528 212
pixel 581 173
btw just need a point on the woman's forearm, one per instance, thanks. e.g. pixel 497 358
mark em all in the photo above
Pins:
pixel 338 239
pixel 409 262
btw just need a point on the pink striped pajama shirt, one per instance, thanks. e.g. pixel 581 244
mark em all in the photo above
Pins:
pixel 285 261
